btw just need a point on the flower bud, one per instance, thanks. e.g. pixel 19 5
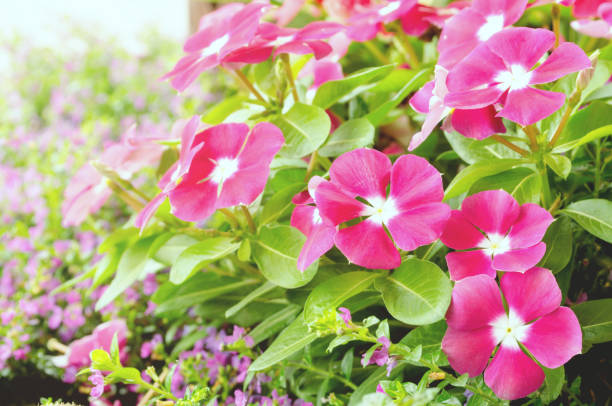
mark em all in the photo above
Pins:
pixel 585 76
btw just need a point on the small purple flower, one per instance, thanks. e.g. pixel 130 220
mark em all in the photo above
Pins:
pixel 380 356
pixel 97 379
pixel 240 398
pixel 345 314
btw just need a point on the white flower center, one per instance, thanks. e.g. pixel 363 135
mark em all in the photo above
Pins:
pixel 281 40
pixel 514 79
pixel 495 244
pixel 224 170
pixel 215 46
pixel 316 217
pixel 493 25
pixel 389 8
pixel 381 211
pixel 509 330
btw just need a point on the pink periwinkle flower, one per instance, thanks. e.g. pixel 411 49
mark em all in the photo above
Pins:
pixel 221 32
pixel 598 28
pixel 478 323
pixel 587 8
pixel 494 233
pixel 319 232
pixel 475 25
pixel 500 71
pixel 102 337
pixel 366 24
pixel 345 315
pixel 413 212
pixel 97 379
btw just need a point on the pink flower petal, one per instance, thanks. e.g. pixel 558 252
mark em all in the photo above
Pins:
pixel 592 28
pixel 532 294
pixel 512 10
pixel 512 374
pixel 462 264
pixel 519 260
pixel 459 37
pixel 459 233
pixel 224 140
pixel 468 351
pixel 521 45
pixel 318 242
pixel 555 338
pixel 193 201
pixel 529 105
pixel 476 301
pixel 419 226
pixel 586 8
pixel 367 244
pixel 149 210
pixel 336 205
pixel 492 211
pixel 477 123
pixel 414 182
pixel 474 99
pixel 262 144
pixel 479 68
pixel 420 100
pixel 567 58
pixel 243 187
pixel 530 226
pixel 363 172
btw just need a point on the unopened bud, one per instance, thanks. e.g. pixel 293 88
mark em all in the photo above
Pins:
pixel 585 76
pixel 436 376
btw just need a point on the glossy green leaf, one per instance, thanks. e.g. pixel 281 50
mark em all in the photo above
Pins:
pixel 305 129
pixel 416 293
pixel 196 256
pixel 560 164
pixel 430 339
pixel 280 203
pixel 472 151
pixel 553 383
pixel 169 251
pixel 352 134
pixel 594 215
pixel 528 190
pixel 333 292
pixel 595 318
pixel 261 290
pixel 276 251
pixel 559 245
pixel 466 178
pixel 591 136
pixel 274 323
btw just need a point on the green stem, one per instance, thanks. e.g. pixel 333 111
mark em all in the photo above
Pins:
pixel 311 165
pixel 287 63
pixel 556 22
pixel 546 194
pixel 242 77
pixel 249 219
pixel 377 53
pixel 158 390
pixel 231 218
pixel 402 41
pixel 597 168
pixel 531 133
pixel 510 145
pixel 323 372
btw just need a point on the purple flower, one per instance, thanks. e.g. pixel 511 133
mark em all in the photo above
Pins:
pixel 97 379
pixel 345 314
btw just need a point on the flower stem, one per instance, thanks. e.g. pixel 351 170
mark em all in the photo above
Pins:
pixel 510 145
pixel 556 22
pixel 231 218
pixel 242 77
pixel 150 392
pixel 402 41
pixel 597 184
pixel 249 219
pixel 553 207
pixel 311 165
pixel 376 52
pixel 562 124
pixel 531 133
pixel 287 63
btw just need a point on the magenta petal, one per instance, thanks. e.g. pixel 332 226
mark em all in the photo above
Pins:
pixel 519 260
pixel 530 226
pixel 532 294
pixel 492 211
pixel 567 58
pixel 318 242
pixel 586 8
pixel 193 201
pixel 529 105
pixel 592 28
pixel 149 210
pixel 468 351
pixel 420 100
pixel 414 182
pixel 302 218
pixel 436 114
pixel 462 264
pixel 224 140
pixel 367 244
pixel 555 338
pixel 262 144
pixel 477 123
pixel 474 99
pixel 243 187
pixel 336 205
pixel 479 68
pixel 363 172
pixel 458 37
pixel 419 226
pixel 476 301
pixel 512 10
pixel 459 233
pixel 512 374
pixel 521 45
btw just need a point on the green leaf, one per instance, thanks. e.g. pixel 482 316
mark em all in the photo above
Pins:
pixel 522 183
pixel 342 90
pixel 595 318
pixel 114 350
pixel 101 360
pixel 131 267
pixel 220 111
pixel 591 136
pixel 244 251
pixel 528 189
pixel 417 79
pixel 172 248
pixel 417 292
pixel 553 383
pixel 472 151
pixel 276 252
pixel 262 290
pixel 305 128
pixel 350 135
pixel 598 114
pixel 125 375
pixel 292 339
pixel 430 339
pixel 196 256
pixel 560 164
pixel 346 365
pixel 559 244
pixel 274 323
pixel 466 178
pixel 594 215
pixel 280 203
pixel 333 292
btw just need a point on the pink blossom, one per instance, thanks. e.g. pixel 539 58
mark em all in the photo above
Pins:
pixel 380 356
pixel 365 25
pixel 587 8
pixel 598 28
pixel 475 25
pixel 97 379
pixel 499 71
pixel 102 337
pixel 498 232
pixel 221 32
pixel 345 315
pixel 478 323
pixel 230 168
pixel 412 213
pixel 319 232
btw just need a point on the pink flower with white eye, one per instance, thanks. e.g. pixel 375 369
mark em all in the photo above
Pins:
pixel 412 212
pixel 478 323
pixel 221 32
pixel 599 28
pixel 365 25
pixel 475 25
pixel 319 232
pixel 230 168
pixel 500 71
pixel 476 123
pixel 587 8
pixel 499 234
pixel 272 39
